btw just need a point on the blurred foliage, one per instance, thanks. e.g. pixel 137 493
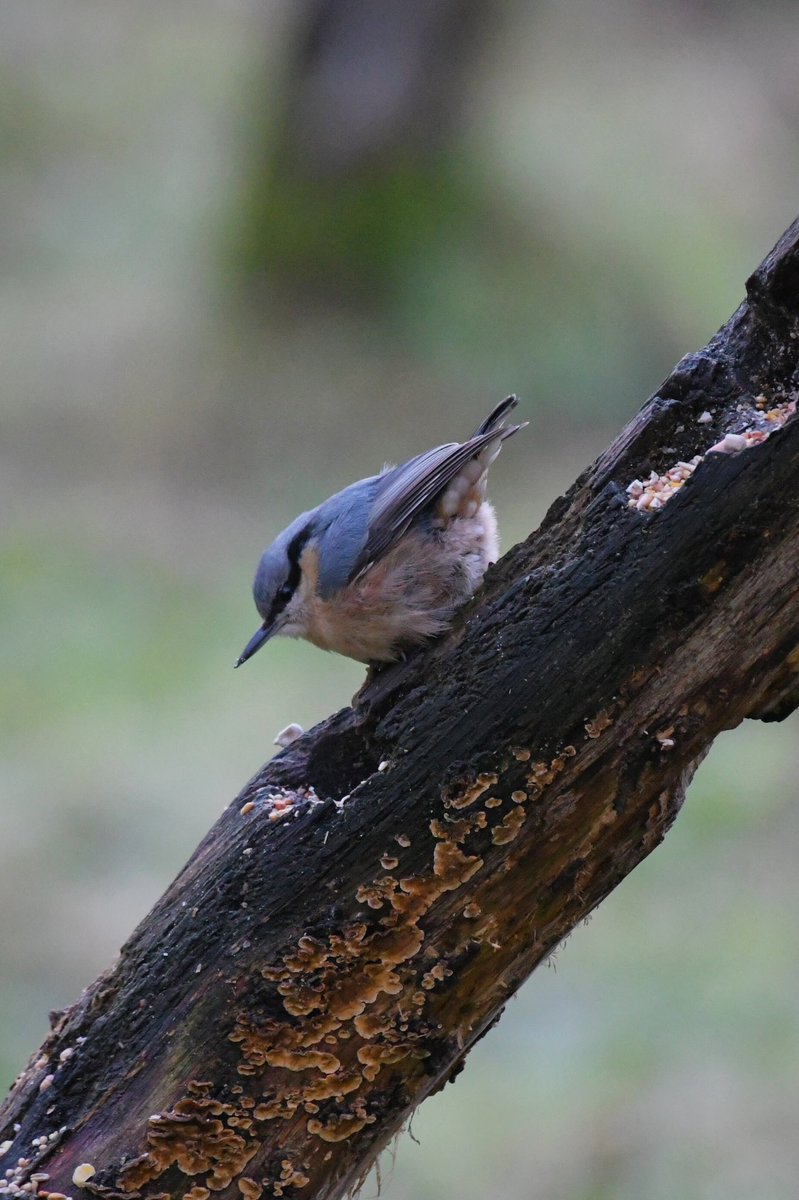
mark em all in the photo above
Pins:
pixel 354 176
pixel 350 236
pixel 609 176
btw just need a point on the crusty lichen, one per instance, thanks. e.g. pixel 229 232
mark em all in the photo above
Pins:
pixel 472 792
pixel 354 1002
pixel 195 1137
pixel 508 829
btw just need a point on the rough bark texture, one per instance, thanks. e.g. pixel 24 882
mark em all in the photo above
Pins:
pixel 361 913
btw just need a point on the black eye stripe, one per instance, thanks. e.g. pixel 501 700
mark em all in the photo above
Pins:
pixel 293 553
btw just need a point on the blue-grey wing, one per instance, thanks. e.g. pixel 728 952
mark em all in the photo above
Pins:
pixel 404 492
pixel 341 531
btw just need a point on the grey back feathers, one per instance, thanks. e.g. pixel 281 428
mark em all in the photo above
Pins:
pixel 404 492
pixel 360 524
pixel 343 524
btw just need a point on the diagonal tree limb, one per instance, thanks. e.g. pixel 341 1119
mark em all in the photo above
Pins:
pixel 359 916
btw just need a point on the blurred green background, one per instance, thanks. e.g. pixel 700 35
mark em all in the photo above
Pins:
pixel 249 252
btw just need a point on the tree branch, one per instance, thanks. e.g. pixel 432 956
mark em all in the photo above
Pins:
pixel 359 916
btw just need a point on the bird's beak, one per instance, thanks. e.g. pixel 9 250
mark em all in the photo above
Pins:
pixel 255 643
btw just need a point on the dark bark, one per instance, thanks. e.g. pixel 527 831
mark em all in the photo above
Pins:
pixel 360 915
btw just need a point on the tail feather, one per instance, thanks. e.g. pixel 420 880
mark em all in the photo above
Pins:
pixel 495 416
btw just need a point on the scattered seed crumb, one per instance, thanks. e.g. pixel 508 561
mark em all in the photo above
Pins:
pixel 781 412
pixel 83 1173
pixel 289 735
pixel 247 808
pixel 384 765
pixel 731 443
pixel 652 493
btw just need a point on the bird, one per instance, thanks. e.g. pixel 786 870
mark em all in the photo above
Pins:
pixel 382 566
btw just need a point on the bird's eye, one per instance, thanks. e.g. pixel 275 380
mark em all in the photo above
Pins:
pixel 287 589
pixel 280 600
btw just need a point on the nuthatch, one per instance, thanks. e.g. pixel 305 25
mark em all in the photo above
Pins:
pixel 383 565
